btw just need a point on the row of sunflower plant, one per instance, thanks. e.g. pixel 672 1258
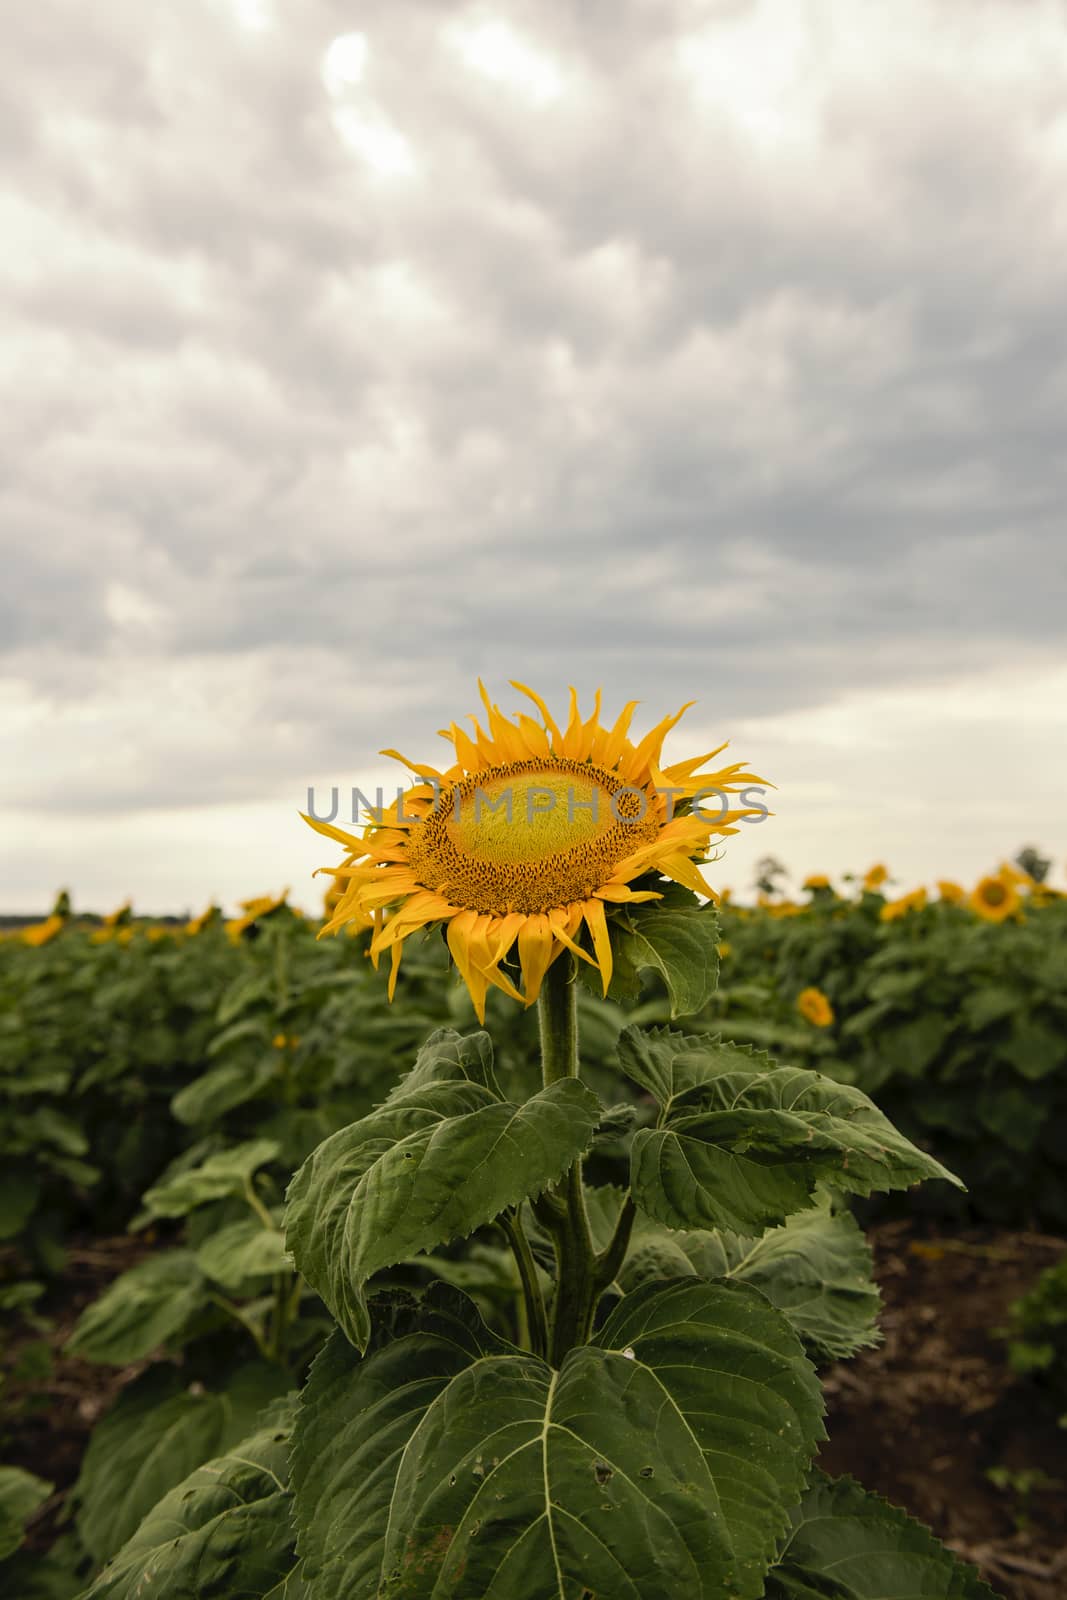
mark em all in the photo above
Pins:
pixel 532 1325
pixel 949 1009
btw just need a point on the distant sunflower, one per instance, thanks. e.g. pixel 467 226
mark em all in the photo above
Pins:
pixel 207 919
pixel 816 880
pixel 39 933
pixel 894 909
pixel 815 1007
pixel 993 899
pixel 527 838
pixel 875 876
pixel 951 893
pixel 252 911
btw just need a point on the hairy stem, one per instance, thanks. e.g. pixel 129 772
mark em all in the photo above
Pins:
pixel 249 1326
pixel 557 1013
pixel 610 1260
pixel 563 1212
pixel 536 1317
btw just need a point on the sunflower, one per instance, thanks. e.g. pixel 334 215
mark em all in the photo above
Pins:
pixel 527 838
pixel 816 880
pixel 252 910
pixel 207 919
pixel 39 933
pixel 893 909
pixel 814 1006
pixel 120 918
pixel 993 899
pixel 951 892
pixel 874 877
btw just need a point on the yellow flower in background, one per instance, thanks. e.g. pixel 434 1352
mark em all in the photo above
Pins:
pixel 893 909
pixel 952 893
pixel 874 877
pixel 261 906
pixel 285 1041
pixel 206 919
pixel 817 880
pixel 40 933
pixel 526 839
pixel 721 897
pixel 815 1008
pixel 119 918
pixel 1011 875
pixel 993 899
pixel 124 935
pixel 724 949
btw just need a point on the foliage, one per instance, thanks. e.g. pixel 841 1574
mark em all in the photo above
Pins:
pixel 504 1334
pixel 1038 1335
pixel 955 1026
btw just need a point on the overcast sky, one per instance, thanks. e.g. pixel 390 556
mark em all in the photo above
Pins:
pixel 710 351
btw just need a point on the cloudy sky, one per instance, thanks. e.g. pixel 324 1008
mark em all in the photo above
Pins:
pixel 702 349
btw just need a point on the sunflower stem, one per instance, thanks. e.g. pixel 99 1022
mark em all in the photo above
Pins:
pixel 533 1300
pixel 557 1012
pixel 576 1275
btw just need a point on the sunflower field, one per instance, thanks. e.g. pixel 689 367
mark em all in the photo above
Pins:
pixel 330 1268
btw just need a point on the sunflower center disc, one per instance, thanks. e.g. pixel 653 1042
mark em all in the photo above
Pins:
pixel 531 835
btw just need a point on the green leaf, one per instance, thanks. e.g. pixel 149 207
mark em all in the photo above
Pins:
pixel 908 1050
pixel 1034 1050
pixel 140 1310
pixel 989 1004
pixel 20 1495
pixel 662 1460
pixel 448 1057
pixel 224 1530
pixel 157 1432
pixel 432 1165
pixel 680 945
pixel 230 1084
pixel 215 1179
pixel 19 1193
pixel 816 1268
pixel 742 1142
pixel 847 1544
pixel 242 1250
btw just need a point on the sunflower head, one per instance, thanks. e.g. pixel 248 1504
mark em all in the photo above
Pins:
pixel 894 909
pixel 951 892
pixel 523 842
pixel 40 933
pixel 874 877
pixel 121 917
pixel 816 881
pixel 207 919
pixel 815 1007
pixel 994 899
pixel 254 911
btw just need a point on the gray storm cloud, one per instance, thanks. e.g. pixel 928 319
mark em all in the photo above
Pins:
pixel 698 349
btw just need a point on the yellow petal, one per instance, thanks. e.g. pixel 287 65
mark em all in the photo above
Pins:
pixel 535 953
pixel 358 847
pixel 550 724
pixel 597 923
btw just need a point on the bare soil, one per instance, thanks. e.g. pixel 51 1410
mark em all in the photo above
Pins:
pixel 925 1416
